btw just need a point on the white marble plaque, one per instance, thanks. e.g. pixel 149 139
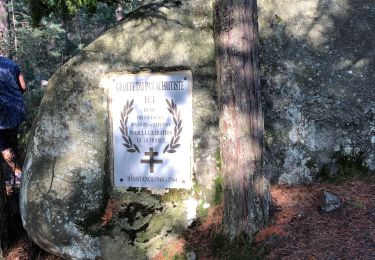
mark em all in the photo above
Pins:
pixel 152 129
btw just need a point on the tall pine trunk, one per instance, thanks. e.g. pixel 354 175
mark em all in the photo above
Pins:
pixel 13 33
pixel 3 44
pixel 246 188
pixel 3 216
pixel 3 19
pixel 3 27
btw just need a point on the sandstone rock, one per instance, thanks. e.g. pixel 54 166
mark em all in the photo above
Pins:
pixel 317 81
pixel 68 204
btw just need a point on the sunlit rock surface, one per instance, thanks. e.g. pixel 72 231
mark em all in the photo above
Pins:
pixel 318 65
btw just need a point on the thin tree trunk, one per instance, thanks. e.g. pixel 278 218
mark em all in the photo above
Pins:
pixel 3 27
pixel 15 40
pixel 3 216
pixel 3 42
pixel 246 188
pixel 65 48
pixel 3 19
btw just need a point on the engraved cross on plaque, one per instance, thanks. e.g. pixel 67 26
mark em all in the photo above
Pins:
pixel 151 153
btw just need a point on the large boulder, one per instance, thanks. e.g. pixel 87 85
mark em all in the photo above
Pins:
pixel 317 61
pixel 68 203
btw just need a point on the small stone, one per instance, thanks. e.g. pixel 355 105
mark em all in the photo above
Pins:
pixel 191 255
pixel 330 202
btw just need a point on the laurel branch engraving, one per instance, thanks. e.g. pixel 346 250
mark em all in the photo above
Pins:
pixel 129 145
pixel 172 108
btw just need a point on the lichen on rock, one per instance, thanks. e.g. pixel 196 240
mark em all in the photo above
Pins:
pixel 317 83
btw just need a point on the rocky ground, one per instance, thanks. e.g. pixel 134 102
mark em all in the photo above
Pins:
pixel 299 229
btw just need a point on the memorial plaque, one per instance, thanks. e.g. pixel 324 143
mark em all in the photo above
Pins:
pixel 152 129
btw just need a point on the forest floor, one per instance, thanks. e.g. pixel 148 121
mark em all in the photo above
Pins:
pixel 298 228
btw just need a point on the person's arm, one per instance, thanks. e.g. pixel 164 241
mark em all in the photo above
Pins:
pixel 21 83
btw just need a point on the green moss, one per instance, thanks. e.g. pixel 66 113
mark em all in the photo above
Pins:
pixel 197 189
pixel 218 158
pixel 348 167
pixel 170 220
pixel 278 19
pixel 201 211
pixel 351 164
pixel 269 137
pixel 219 194
pixel 175 195
pixel 179 257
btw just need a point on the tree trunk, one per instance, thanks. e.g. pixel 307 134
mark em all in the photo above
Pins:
pixel 14 34
pixel 3 216
pixel 3 26
pixel 247 198
pixel 3 18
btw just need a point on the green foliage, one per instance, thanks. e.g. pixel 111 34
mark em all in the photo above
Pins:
pixel 219 194
pixel 239 248
pixel 218 158
pixel 40 51
pixel 67 9
pixel 60 8
pixel 352 163
pixel 175 195
pixel 344 167
pixel 202 211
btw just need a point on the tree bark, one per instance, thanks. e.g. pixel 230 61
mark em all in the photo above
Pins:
pixel 15 40
pixel 3 26
pixel 3 216
pixel 247 198
pixel 3 19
